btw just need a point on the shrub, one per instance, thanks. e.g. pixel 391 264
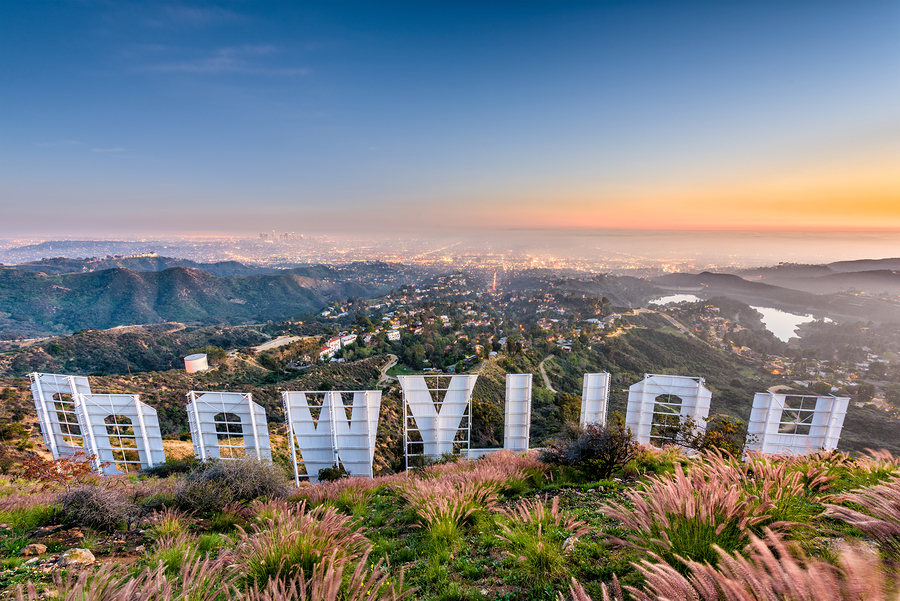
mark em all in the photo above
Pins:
pixel 173 466
pixel 203 495
pixel 335 472
pixel 97 507
pixel 214 484
pixel 595 450
pixel 65 471
pixel 720 432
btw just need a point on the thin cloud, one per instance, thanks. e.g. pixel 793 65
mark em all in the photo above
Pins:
pixel 236 59
pixel 191 16
pixel 107 150
pixel 59 143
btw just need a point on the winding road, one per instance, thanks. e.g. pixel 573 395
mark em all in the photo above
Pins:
pixel 384 377
pixel 547 384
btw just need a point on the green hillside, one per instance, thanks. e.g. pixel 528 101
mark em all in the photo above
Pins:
pixel 33 304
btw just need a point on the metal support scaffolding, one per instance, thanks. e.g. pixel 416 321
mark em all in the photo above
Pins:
pixel 54 400
pixel 659 401
pixel 332 437
pixel 434 414
pixel 594 399
pixel 227 425
pixel 517 412
pixel 122 432
pixel 785 424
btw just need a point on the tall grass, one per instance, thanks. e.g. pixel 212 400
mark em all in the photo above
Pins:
pixel 295 540
pixel 347 494
pixel 168 523
pixel 880 515
pixel 682 516
pixel 328 582
pixel 535 536
pixel 773 570
pixel 197 580
pixel 442 506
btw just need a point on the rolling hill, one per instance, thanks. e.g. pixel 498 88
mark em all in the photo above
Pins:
pixel 838 306
pixel 34 303
pixel 866 275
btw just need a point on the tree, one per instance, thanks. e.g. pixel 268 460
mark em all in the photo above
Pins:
pixel 596 450
pixel 64 471
pixel 865 392
pixel 569 407
pixel 821 388
pixel 892 394
pixel 720 432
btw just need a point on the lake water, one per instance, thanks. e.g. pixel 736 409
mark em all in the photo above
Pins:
pixel 781 323
pixel 677 298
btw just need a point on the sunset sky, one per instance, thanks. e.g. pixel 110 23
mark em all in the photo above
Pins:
pixel 121 118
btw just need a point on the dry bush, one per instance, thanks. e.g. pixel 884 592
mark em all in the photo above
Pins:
pixel 64 472
pixel 215 484
pixel 880 515
pixel 97 507
pixel 292 540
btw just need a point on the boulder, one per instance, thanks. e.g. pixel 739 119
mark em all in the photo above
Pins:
pixel 34 549
pixel 76 557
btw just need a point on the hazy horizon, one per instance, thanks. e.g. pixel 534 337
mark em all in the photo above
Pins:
pixel 722 248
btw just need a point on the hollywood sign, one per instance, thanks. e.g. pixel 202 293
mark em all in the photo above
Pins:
pixel 328 428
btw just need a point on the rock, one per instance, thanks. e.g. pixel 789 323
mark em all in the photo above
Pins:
pixel 140 549
pixel 76 557
pixel 569 545
pixel 4 526
pixel 48 530
pixel 33 561
pixel 34 549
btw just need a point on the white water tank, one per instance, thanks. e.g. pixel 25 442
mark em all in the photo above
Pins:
pixel 195 363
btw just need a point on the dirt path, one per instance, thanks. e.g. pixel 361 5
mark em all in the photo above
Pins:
pixel 384 377
pixel 544 373
pixel 275 343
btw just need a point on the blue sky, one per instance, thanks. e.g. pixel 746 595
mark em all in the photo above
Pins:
pixel 121 118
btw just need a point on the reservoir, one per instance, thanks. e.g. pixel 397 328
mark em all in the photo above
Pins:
pixel 781 323
pixel 677 298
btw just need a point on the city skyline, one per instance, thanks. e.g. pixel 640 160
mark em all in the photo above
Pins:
pixel 405 117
